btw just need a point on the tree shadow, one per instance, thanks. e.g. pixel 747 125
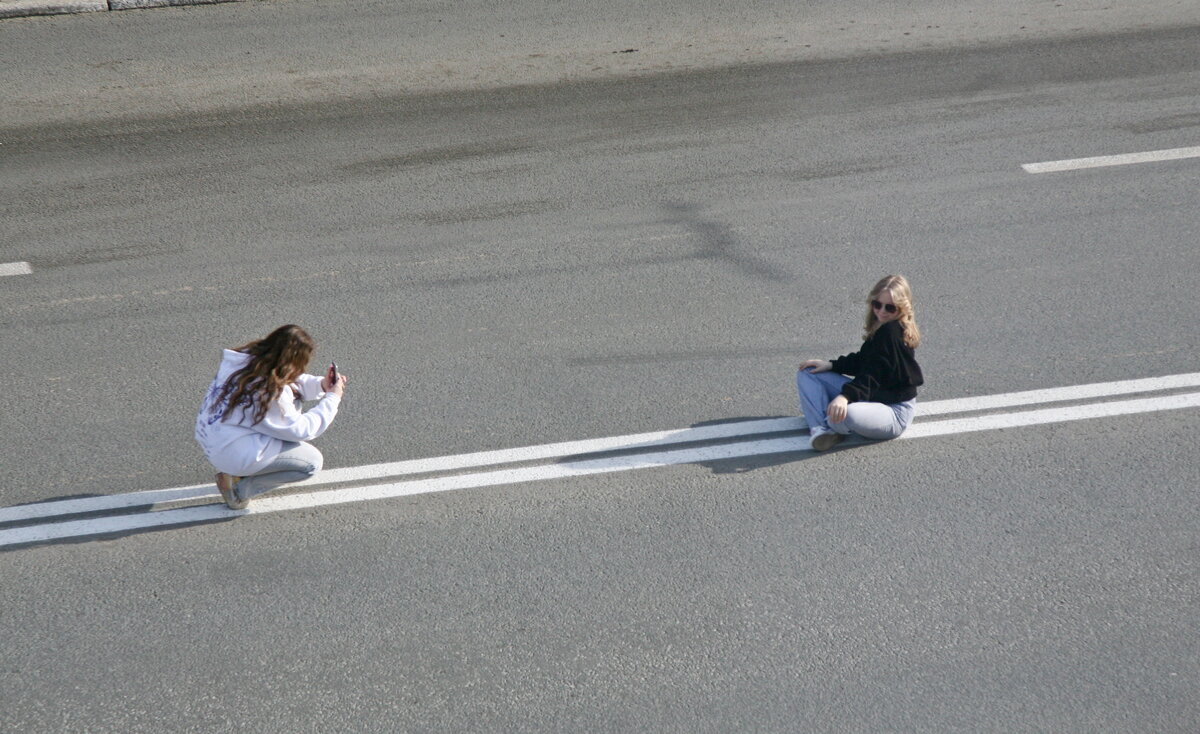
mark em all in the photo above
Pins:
pixel 717 242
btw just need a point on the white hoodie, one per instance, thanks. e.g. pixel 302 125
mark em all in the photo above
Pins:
pixel 241 447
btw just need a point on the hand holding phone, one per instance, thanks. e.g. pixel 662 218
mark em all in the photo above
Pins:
pixel 332 379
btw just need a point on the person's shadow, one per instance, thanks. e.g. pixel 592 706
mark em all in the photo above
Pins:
pixel 753 461
pixel 736 445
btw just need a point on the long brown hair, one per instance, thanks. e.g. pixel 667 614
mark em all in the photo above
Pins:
pixel 901 294
pixel 274 362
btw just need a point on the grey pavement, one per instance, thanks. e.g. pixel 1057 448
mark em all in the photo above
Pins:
pixel 951 586
pixel 505 265
pixel 191 60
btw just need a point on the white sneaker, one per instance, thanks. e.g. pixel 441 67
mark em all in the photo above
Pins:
pixel 823 439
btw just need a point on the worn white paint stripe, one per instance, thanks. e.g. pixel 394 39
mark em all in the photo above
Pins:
pixel 1123 159
pixel 736 429
pixel 19 268
pixel 127 523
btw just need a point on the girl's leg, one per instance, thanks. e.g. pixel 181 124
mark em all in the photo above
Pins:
pixel 297 462
pixel 816 390
pixel 876 421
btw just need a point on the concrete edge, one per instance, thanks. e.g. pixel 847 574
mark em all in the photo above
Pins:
pixel 27 8
pixel 132 4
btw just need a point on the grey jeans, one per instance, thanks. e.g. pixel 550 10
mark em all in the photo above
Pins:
pixel 878 421
pixel 298 461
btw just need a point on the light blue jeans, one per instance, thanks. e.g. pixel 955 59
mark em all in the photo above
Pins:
pixel 876 421
pixel 298 461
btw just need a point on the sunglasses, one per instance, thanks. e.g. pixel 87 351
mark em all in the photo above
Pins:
pixel 889 307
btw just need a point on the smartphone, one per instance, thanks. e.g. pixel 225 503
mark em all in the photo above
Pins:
pixel 333 369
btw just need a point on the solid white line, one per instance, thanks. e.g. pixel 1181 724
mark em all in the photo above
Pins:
pixel 418 466
pixel 716 431
pixel 1058 394
pixel 19 268
pixel 1123 159
pixel 125 523
pixel 735 429
pixel 1052 415
pixel 101 503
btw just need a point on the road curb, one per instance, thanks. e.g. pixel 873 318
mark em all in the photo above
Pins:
pixel 25 8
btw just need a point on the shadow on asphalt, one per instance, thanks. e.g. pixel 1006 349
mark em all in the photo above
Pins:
pixel 743 464
pixel 88 539
pixel 60 498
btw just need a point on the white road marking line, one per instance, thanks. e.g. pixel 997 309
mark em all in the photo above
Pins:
pixel 1052 415
pixel 1059 394
pixel 105 502
pixel 122 523
pixel 716 431
pixel 417 466
pixel 126 523
pixel 1123 159
pixel 737 429
pixel 19 268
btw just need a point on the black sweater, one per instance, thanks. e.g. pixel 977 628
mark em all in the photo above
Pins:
pixel 885 370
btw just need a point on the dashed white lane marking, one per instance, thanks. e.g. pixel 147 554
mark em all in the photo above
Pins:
pixel 1123 159
pixel 582 467
pixel 18 268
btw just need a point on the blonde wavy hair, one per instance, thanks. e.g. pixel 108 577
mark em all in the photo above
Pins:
pixel 897 286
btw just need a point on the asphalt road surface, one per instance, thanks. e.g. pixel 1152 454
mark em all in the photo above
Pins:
pixel 521 266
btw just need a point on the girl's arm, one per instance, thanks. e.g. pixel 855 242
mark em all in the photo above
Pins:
pixel 849 364
pixel 310 386
pixel 285 421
